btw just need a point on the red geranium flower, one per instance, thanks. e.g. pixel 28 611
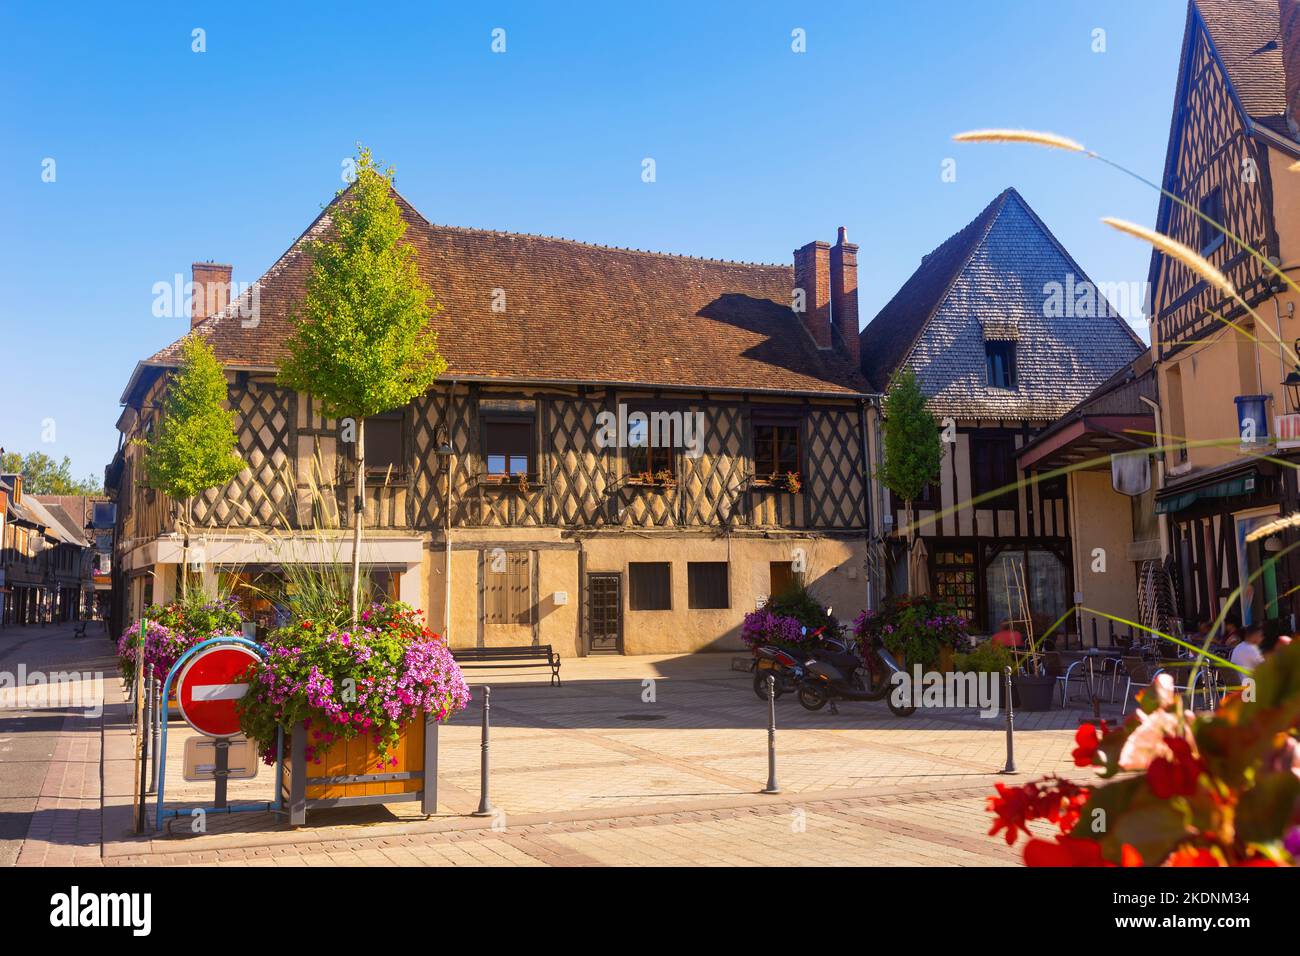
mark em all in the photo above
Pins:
pixel 1177 777
pixel 1085 755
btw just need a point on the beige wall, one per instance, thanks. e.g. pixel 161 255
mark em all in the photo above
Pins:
pixel 835 573
pixel 1102 519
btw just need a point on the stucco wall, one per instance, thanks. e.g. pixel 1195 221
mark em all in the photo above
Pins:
pixel 835 575
pixel 1102 519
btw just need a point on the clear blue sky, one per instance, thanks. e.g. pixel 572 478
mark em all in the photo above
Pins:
pixel 165 156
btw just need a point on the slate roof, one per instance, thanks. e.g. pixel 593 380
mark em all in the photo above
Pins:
pixel 575 312
pixel 1246 37
pixel 991 281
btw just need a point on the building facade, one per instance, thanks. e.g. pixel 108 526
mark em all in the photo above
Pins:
pixel 1005 334
pixel 1227 421
pixel 45 557
pixel 628 450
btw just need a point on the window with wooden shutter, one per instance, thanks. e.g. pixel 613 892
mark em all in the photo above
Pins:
pixel 993 468
pixel 650 586
pixel 385 443
pixel 782 579
pixel 507 588
pixel 706 584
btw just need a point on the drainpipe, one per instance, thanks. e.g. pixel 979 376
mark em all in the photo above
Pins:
pixel 1162 521
pixel 451 460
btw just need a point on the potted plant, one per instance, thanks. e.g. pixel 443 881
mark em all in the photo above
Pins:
pixel 918 629
pixel 172 629
pixel 353 702
pixel 793 482
pixel 763 627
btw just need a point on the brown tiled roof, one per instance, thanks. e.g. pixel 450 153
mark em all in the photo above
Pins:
pixel 574 313
pixel 1246 36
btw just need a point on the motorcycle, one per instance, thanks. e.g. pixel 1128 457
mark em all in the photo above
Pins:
pixel 784 669
pixel 833 675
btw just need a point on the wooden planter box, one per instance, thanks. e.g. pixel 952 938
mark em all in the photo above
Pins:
pixel 347 774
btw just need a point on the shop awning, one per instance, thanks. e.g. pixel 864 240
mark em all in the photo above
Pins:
pixel 1229 488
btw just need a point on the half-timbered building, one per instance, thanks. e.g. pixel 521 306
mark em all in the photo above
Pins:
pixel 628 450
pixel 1227 420
pixel 1005 334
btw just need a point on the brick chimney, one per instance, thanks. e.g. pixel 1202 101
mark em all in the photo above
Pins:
pixel 844 293
pixel 211 290
pixel 1289 36
pixel 812 274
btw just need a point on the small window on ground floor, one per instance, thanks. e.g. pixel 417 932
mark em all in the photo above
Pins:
pixel 649 586
pixel 707 585
pixel 783 578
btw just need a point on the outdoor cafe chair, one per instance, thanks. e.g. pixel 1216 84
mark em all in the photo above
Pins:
pixel 1055 668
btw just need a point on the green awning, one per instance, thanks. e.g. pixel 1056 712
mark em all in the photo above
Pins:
pixel 1231 488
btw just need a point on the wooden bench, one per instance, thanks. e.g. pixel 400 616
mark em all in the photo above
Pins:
pixel 540 656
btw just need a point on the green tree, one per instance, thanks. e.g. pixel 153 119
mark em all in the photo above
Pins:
pixel 41 476
pixel 362 342
pixel 194 446
pixel 913 450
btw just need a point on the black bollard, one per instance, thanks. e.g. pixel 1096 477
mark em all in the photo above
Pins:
pixel 772 786
pixel 1011 722
pixel 484 805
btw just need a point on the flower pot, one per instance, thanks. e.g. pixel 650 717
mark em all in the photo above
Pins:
pixel 349 768
pixel 945 659
pixel 1032 693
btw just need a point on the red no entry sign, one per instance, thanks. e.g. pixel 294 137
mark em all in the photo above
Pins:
pixel 209 688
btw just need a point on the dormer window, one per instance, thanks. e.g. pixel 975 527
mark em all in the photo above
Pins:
pixel 1211 208
pixel 1000 364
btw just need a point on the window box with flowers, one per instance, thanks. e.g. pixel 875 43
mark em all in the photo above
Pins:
pixel 359 705
pixel 658 479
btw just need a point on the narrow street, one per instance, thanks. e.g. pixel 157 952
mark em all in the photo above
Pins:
pixel 29 735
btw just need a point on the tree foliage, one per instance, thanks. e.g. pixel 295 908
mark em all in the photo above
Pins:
pixel 194 445
pixel 42 476
pixel 913 451
pixel 362 342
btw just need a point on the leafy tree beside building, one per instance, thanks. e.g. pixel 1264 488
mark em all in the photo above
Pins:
pixel 362 342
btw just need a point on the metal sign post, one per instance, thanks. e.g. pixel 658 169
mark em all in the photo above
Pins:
pixel 206 696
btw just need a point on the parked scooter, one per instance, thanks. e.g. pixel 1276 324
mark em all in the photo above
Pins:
pixel 831 676
pixel 780 665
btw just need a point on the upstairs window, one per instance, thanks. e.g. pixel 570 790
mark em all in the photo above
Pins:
pixel 1000 364
pixel 776 448
pixel 385 443
pixel 993 468
pixel 1212 208
pixel 509 447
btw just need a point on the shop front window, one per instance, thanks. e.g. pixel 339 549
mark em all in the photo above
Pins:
pixel 1036 576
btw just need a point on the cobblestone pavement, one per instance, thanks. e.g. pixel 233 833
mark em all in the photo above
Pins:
pixel 635 761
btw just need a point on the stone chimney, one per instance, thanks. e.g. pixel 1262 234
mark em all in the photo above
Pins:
pixel 1289 37
pixel 211 291
pixel 812 277
pixel 844 294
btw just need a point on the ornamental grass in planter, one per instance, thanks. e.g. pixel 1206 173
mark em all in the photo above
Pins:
pixel 358 694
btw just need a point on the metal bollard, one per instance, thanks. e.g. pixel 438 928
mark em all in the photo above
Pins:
pixel 484 805
pixel 772 786
pixel 1011 724
pixel 159 715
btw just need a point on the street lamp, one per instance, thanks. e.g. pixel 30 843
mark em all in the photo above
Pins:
pixel 1292 385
